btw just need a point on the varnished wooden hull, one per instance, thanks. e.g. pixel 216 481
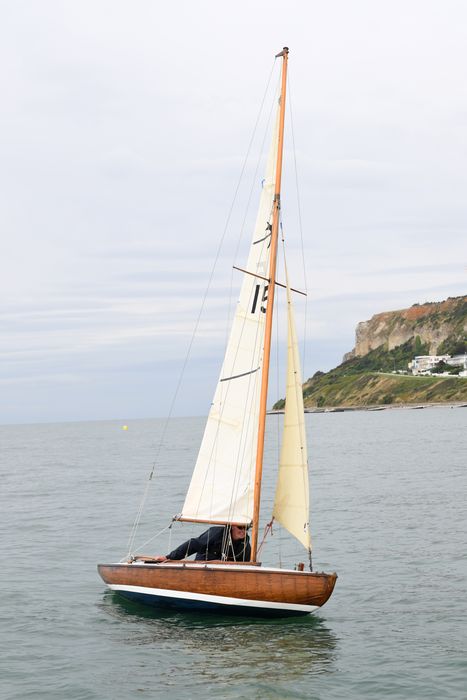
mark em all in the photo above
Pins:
pixel 223 588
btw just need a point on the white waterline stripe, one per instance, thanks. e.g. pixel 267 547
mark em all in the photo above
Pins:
pixel 223 600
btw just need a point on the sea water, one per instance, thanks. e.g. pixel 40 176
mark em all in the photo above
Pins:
pixel 388 513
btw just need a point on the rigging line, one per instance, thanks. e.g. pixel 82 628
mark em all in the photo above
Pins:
pixel 301 426
pixel 259 338
pixel 285 388
pixel 136 522
pixel 170 536
pixel 229 215
pixel 263 252
pixel 253 182
pixel 167 527
pixel 267 530
pixel 243 228
pixel 244 445
pixel 301 430
pixel 258 347
pixel 300 226
pixel 224 399
pixel 305 330
pixel 224 394
pixel 226 539
pixel 261 151
pixel 243 442
pixel 207 542
pixel 278 428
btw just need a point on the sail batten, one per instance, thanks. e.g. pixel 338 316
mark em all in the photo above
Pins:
pixel 291 503
pixel 237 376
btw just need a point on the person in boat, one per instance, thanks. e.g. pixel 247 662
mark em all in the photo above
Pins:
pixel 229 542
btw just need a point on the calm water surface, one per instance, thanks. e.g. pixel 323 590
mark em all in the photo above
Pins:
pixel 388 514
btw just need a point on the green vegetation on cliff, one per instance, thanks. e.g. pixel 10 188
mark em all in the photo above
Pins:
pixel 383 360
pixel 374 378
pixel 375 389
pixel 453 345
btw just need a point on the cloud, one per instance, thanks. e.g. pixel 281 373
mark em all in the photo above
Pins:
pixel 121 143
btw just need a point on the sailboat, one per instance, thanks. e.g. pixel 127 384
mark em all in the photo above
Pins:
pixel 225 488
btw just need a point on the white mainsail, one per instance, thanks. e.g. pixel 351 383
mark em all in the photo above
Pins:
pixel 291 503
pixel 221 488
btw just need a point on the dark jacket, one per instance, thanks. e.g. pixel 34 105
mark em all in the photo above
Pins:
pixel 210 545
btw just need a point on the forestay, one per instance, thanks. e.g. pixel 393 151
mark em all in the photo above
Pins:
pixel 291 504
pixel 221 488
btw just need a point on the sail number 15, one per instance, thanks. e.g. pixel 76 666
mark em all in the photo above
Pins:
pixel 263 298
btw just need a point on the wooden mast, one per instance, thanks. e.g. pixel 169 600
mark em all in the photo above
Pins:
pixel 269 310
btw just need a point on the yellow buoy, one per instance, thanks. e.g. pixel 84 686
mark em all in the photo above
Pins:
pixel 124 427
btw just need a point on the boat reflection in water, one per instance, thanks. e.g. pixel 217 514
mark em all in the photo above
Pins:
pixel 226 647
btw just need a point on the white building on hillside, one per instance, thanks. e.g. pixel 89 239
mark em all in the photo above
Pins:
pixel 458 360
pixel 424 364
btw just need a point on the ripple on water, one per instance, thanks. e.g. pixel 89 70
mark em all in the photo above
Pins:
pixel 388 514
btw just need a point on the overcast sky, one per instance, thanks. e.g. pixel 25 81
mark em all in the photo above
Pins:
pixel 123 130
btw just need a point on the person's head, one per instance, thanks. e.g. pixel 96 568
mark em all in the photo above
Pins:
pixel 238 532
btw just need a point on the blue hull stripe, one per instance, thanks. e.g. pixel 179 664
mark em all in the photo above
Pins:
pixel 182 600
pixel 203 606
